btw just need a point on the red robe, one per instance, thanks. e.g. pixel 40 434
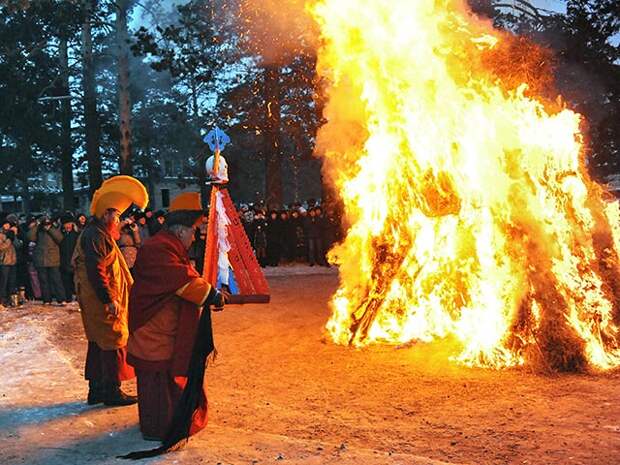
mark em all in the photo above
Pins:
pixel 164 309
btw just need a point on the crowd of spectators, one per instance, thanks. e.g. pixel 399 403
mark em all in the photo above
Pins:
pixel 36 251
pixel 295 234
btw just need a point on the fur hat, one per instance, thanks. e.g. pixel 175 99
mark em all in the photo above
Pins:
pixel 67 217
pixel 186 201
pixel 185 209
pixel 187 218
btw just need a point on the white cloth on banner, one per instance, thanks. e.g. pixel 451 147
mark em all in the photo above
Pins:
pixel 223 244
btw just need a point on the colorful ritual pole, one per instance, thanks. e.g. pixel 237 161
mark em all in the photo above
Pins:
pixel 229 257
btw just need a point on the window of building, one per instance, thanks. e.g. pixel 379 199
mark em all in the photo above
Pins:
pixel 165 198
pixel 168 168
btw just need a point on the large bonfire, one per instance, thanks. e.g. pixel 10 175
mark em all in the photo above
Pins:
pixel 472 216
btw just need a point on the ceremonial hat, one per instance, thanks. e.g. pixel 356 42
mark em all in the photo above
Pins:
pixel 186 201
pixel 185 209
pixel 118 192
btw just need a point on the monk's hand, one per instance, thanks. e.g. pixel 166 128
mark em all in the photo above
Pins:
pixel 220 299
pixel 112 309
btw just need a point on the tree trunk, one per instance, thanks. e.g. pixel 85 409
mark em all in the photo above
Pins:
pixel 22 175
pixel 124 102
pixel 201 175
pixel 66 154
pixel 91 119
pixel 272 151
pixel 25 197
pixel 192 84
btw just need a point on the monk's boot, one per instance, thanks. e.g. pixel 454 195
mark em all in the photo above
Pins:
pixel 115 397
pixel 95 393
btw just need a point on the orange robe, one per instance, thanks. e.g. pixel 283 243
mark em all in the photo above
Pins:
pixel 107 331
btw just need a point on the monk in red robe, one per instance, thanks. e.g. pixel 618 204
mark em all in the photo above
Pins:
pixel 165 307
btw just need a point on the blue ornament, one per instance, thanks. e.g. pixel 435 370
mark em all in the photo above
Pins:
pixel 216 138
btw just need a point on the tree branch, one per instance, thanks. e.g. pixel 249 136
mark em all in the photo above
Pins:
pixel 532 14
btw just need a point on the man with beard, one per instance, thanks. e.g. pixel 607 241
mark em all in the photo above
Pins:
pixel 103 282
pixel 168 305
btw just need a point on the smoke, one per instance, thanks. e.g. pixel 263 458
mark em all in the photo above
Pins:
pixel 277 29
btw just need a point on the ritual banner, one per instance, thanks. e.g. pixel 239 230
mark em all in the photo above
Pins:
pixel 229 257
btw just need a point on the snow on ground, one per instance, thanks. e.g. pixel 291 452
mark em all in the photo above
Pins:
pixel 299 269
pixel 281 393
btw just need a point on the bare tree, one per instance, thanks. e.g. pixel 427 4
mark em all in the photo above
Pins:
pixel 91 119
pixel 66 153
pixel 122 43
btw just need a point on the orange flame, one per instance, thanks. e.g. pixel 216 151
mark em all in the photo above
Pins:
pixel 472 215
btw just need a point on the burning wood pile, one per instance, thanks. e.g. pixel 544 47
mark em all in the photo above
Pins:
pixel 473 218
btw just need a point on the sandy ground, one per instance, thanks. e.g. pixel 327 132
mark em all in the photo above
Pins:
pixel 281 393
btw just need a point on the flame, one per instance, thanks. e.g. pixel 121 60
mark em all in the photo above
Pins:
pixel 472 216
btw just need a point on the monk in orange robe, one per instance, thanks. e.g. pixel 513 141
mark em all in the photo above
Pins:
pixel 102 282
pixel 165 307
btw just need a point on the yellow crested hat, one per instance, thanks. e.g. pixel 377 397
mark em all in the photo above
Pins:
pixel 186 201
pixel 119 192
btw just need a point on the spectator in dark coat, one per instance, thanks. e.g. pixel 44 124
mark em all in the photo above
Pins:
pixel 46 259
pixel 247 219
pixel 156 222
pixel 67 246
pixel 313 226
pixel 80 223
pixel 142 226
pixel 274 238
pixel 259 237
pixel 284 236
pixel 297 237
pixel 26 273
pixel 130 241
pixel 196 251
pixel 9 244
pixel 21 271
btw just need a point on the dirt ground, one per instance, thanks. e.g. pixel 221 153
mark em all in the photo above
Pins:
pixel 280 392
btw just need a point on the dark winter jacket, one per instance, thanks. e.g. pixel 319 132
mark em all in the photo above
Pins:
pixel 67 246
pixel 259 234
pixel 314 227
pixel 297 234
pixel 274 232
pixel 153 226
pixel 47 250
